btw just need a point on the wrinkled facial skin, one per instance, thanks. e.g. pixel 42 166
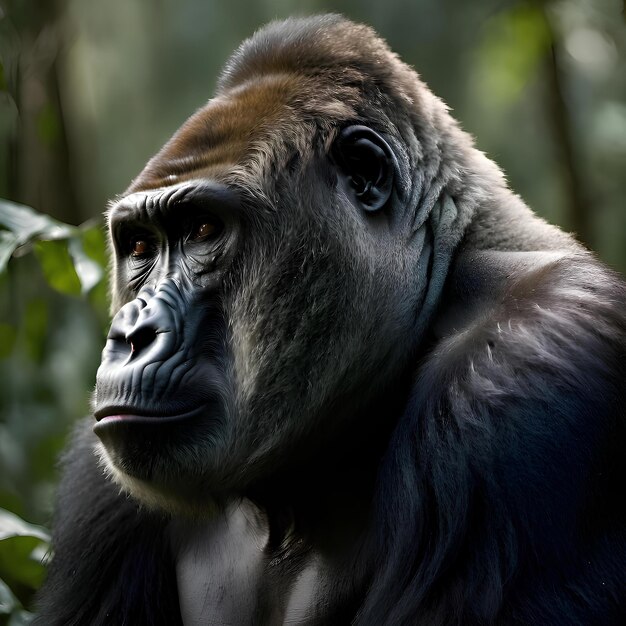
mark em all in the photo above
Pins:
pixel 160 387
pixel 253 323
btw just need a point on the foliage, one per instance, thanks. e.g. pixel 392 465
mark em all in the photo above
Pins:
pixel 59 270
pixel 63 251
pixel 23 547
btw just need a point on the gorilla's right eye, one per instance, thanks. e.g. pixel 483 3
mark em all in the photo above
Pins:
pixel 139 247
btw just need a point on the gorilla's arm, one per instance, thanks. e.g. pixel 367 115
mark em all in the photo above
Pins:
pixel 509 497
pixel 112 563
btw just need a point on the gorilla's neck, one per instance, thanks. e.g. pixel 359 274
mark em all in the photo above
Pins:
pixel 312 491
pixel 286 544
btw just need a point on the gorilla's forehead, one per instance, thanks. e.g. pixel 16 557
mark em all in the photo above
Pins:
pixel 245 128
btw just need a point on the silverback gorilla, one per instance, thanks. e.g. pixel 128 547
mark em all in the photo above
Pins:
pixel 350 379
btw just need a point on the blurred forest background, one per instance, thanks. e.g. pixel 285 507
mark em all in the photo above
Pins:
pixel 89 90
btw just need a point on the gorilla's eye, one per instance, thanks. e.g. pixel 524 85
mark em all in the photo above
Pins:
pixel 139 247
pixel 203 230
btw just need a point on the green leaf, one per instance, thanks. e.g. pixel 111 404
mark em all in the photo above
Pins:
pixel 22 546
pixel 26 224
pixel 58 267
pixel 8 602
pixel 8 243
pixel 21 618
pixel 71 267
pixel 94 243
pixel 13 526
pixel 89 272
pixel 21 562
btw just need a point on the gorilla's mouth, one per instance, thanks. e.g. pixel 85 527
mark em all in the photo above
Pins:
pixel 135 437
pixel 127 415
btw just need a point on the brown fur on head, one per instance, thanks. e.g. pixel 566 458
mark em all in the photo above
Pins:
pixel 285 84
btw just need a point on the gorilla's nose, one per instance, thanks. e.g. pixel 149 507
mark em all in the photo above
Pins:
pixel 141 337
pixel 146 330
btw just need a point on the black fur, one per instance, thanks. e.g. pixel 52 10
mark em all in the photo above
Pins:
pixel 112 562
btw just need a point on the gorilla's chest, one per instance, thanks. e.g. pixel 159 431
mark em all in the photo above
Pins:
pixel 227 575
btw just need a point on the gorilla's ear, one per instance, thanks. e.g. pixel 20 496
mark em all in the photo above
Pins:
pixel 367 162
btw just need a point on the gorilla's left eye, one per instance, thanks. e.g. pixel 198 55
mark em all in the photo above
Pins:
pixel 203 230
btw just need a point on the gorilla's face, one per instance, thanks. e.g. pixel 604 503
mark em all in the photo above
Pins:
pixel 266 288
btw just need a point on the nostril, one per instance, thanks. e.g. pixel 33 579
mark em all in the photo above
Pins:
pixel 140 338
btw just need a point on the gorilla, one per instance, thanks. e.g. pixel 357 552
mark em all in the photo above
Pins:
pixel 350 379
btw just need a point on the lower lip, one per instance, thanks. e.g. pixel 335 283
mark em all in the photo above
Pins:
pixel 109 419
pixel 143 419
